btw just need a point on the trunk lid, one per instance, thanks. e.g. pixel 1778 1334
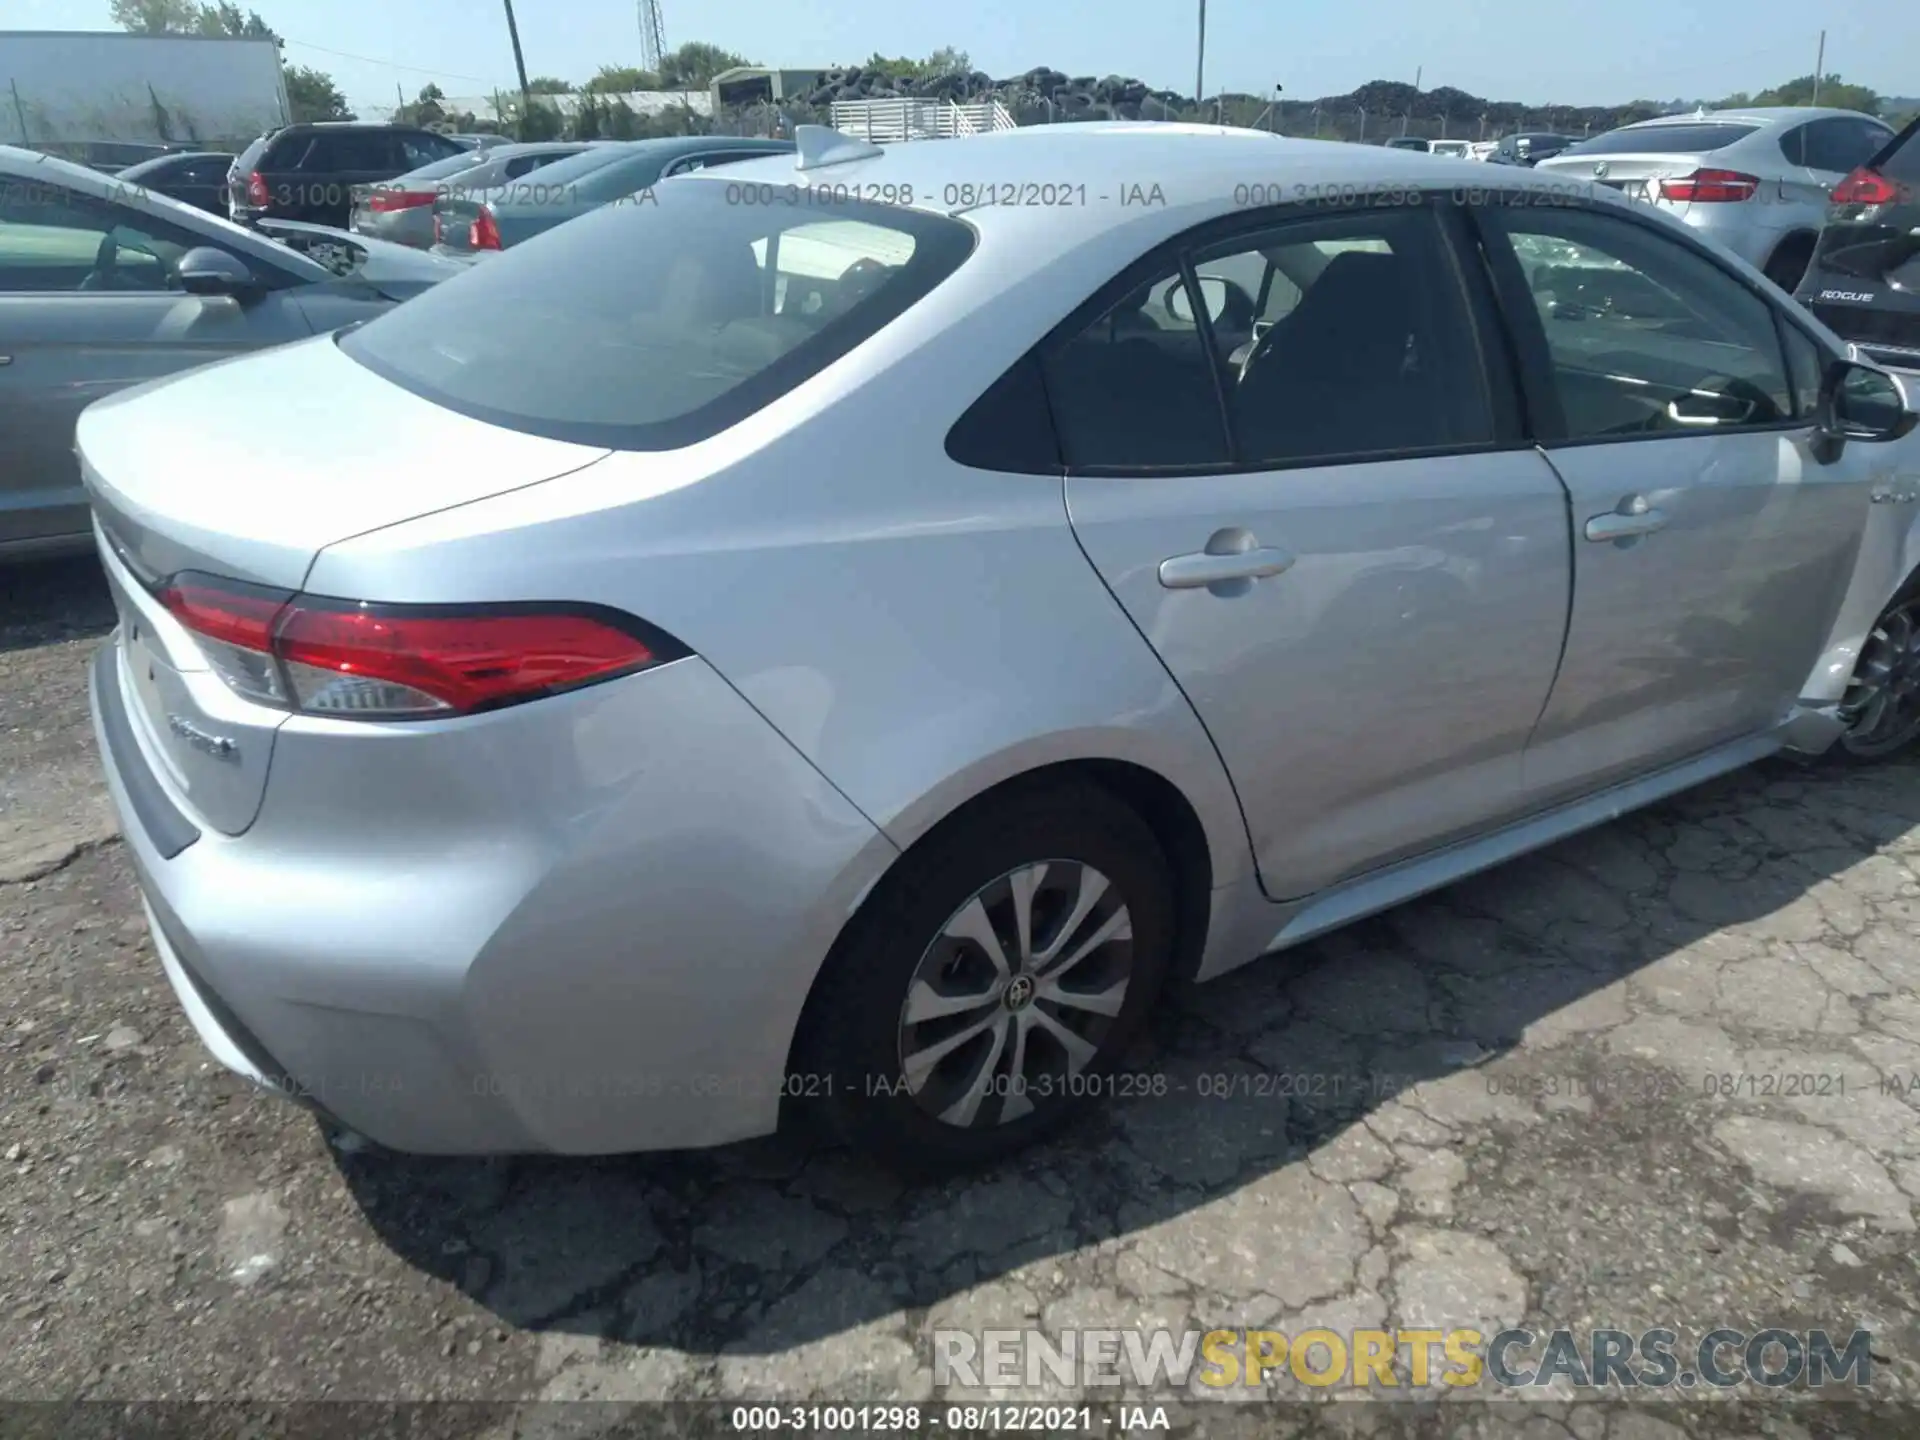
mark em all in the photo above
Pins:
pixel 248 468
pixel 1637 177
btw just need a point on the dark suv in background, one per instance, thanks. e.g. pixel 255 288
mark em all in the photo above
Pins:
pixel 1864 280
pixel 307 172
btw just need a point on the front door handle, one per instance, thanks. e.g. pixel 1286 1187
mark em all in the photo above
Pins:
pixel 1632 517
pixel 1191 572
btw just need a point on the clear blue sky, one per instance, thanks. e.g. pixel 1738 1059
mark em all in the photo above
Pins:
pixel 1536 51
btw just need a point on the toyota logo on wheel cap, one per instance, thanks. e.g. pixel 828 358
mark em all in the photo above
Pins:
pixel 1600 170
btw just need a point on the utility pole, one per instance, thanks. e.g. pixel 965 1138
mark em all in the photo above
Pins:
pixel 520 65
pixel 1200 62
pixel 1819 64
pixel 1273 115
pixel 1407 118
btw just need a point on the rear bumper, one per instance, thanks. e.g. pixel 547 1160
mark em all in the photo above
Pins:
pixel 585 925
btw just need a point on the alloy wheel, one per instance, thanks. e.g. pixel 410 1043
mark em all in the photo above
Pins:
pixel 1882 704
pixel 1016 995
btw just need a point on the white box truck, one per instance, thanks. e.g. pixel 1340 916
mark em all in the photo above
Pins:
pixel 112 98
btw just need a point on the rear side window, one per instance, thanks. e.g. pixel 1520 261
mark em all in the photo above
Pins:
pixel 1842 144
pixel 1698 138
pixel 250 157
pixel 349 150
pixel 648 327
pixel 1901 160
pixel 423 147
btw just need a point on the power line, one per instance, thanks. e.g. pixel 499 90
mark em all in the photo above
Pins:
pixel 389 64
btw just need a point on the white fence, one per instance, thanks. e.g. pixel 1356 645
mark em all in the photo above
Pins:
pixel 887 121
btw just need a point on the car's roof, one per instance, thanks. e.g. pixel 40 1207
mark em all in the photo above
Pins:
pixel 1060 184
pixel 1761 115
pixel 174 156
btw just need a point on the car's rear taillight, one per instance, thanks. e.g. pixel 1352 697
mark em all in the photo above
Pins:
pixel 355 660
pixel 1710 186
pixel 483 233
pixel 257 192
pixel 383 202
pixel 1865 187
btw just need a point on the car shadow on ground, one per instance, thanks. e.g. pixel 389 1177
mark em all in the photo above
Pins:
pixel 46 601
pixel 758 1248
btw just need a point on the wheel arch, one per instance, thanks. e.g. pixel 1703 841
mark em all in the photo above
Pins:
pixel 1190 852
pixel 1786 244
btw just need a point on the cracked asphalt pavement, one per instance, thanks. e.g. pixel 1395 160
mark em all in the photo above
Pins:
pixel 1665 1074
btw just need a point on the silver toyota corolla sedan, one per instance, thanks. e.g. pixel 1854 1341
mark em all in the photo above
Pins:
pixel 1755 180
pixel 841 636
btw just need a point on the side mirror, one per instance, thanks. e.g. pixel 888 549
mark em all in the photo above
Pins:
pixel 1864 402
pixel 1213 294
pixel 208 270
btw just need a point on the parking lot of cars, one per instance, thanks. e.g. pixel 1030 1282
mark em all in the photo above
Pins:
pixel 1658 1074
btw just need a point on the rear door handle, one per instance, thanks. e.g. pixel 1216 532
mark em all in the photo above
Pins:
pixel 1633 516
pixel 1192 572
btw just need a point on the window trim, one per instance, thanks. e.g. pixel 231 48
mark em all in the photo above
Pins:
pixel 1435 202
pixel 1523 319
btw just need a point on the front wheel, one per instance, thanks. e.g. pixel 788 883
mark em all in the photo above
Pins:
pixel 985 994
pixel 1882 704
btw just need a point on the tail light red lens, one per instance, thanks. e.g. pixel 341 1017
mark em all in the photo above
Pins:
pixel 1710 187
pixel 393 662
pixel 257 192
pixel 385 202
pixel 484 234
pixel 1865 187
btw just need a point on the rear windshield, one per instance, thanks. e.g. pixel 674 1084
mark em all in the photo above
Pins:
pixel 584 163
pixel 655 325
pixel 441 169
pixel 1664 140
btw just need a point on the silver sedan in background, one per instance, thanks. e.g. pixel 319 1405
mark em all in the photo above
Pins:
pixel 1755 180
pixel 401 209
pixel 105 284
pixel 822 640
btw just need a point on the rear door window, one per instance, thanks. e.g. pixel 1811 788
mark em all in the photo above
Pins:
pixel 648 327
pixel 345 152
pixel 1841 145
pixel 1902 161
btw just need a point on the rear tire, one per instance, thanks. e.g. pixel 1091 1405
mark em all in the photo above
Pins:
pixel 879 1044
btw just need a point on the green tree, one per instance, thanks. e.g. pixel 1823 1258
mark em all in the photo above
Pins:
pixel 587 118
pixel 157 17
pixel 313 95
pixel 694 64
pixel 621 80
pixel 424 109
pixel 1834 92
pixel 547 85
pixel 535 121
pixel 622 122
